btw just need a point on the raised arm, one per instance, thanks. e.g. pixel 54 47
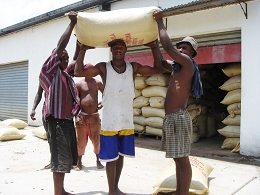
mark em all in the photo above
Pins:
pixel 80 71
pixel 37 100
pixel 157 66
pixel 65 37
pixel 166 42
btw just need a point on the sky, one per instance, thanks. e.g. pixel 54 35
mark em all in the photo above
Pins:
pixel 15 11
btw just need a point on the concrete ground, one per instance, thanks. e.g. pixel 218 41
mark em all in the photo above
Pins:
pixel 22 162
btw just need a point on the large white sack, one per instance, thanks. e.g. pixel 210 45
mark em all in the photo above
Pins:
pixel 140 82
pixel 158 80
pixel 231 97
pixel 157 102
pixel 234 109
pixel 140 120
pixel 194 111
pixel 230 131
pixel 137 111
pixel 153 131
pixel 232 83
pixel 17 123
pixel 232 69
pixel 139 128
pixel 10 133
pixel 151 91
pixel 148 111
pixel 230 143
pixel 153 121
pixel 233 121
pixel 138 93
pixel 135 25
pixel 166 182
pixel 140 102
pixel 40 132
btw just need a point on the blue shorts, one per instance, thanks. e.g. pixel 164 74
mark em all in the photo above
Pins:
pixel 115 143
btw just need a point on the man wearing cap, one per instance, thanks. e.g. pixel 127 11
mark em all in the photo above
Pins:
pixel 177 125
pixel 117 127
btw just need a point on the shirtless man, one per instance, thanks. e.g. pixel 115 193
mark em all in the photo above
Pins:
pixel 177 126
pixel 88 122
pixel 61 105
pixel 117 127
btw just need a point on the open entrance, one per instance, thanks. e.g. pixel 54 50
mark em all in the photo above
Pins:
pixel 216 115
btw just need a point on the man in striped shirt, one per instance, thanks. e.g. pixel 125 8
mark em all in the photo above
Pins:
pixel 61 105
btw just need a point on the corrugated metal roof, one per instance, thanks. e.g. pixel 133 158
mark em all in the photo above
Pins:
pixel 200 5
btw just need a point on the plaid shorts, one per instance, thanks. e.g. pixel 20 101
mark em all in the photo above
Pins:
pixel 176 134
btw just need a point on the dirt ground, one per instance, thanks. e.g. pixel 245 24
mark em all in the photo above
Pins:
pixel 206 147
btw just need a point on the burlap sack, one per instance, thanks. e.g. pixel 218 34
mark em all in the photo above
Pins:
pixel 140 120
pixel 230 131
pixel 140 102
pixel 232 69
pixel 234 109
pixel 135 25
pixel 10 133
pixel 152 91
pixel 230 143
pixel 40 132
pixel 148 111
pixel 157 102
pixel 232 121
pixel 156 122
pixel 140 82
pixel 158 80
pixel 138 93
pixel 231 97
pixel 17 123
pixel 232 83
pixel 166 182
pixel 139 128
pixel 153 131
pixel 137 111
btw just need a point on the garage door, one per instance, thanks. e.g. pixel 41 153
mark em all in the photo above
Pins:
pixel 14 91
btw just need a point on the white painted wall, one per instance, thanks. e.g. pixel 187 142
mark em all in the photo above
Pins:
pixel 250 128
pixel 35 44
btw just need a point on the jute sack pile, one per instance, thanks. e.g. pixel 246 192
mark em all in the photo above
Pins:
pixel 166 182
pixel 233 102
pixel 151 103
pixel 136 26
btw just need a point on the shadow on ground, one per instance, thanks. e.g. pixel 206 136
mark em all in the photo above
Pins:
pixel 206 148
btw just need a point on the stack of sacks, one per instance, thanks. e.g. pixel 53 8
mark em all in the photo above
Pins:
pixel 205 120
pixel 233 102
pixel 9 129
pixel 150 93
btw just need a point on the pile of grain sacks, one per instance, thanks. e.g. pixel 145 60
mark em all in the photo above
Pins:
pixel 150 93
pixel 233 101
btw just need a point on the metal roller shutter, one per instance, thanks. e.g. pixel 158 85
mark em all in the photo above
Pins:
pixel 14 91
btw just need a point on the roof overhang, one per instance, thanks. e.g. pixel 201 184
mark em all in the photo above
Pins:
pixel 204 5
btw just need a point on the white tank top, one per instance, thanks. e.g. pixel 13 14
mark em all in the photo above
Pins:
pixel 117 99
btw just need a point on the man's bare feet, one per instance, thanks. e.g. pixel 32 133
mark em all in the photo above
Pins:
pixel 119 192
pixel 66 193
pixel 78 167
pixel 47 166
pixel 99 165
